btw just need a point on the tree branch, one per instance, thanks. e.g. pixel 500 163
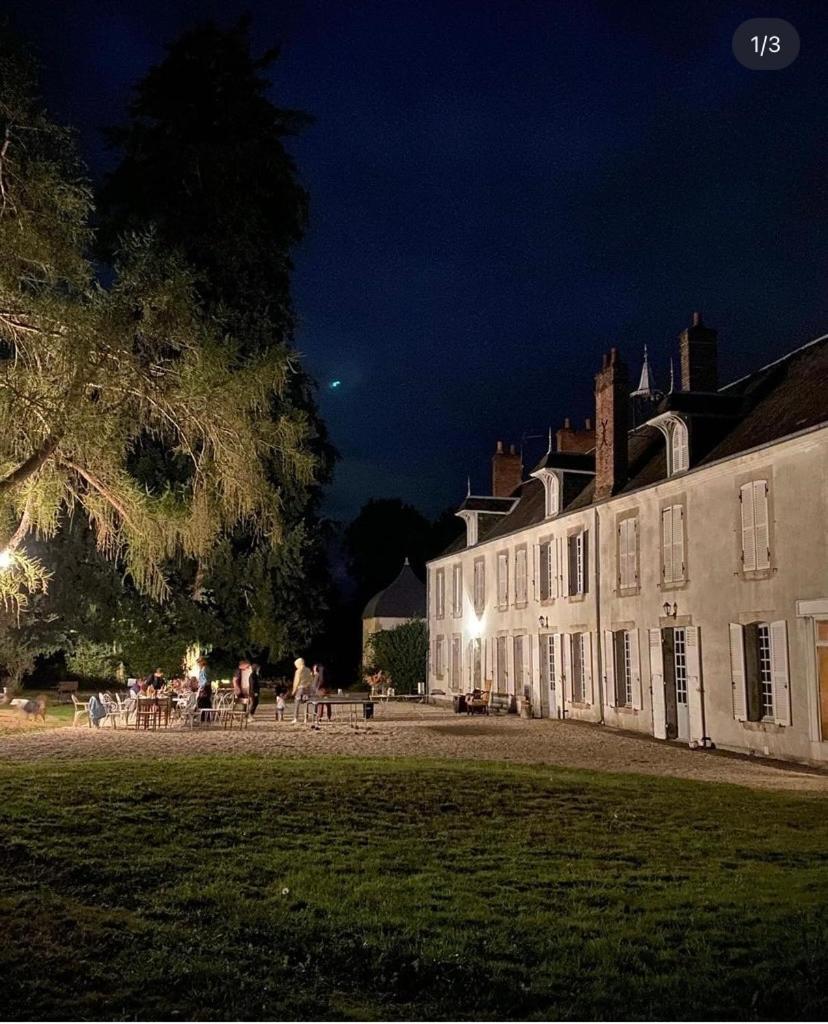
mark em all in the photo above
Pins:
pixel 28 468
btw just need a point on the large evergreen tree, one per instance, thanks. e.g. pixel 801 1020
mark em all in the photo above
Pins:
pixel 92 377
pixel 203 160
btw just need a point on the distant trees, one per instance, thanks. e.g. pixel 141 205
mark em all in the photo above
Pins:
pixel 402 654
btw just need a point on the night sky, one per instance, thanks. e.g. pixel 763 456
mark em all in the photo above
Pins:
pixel 500 191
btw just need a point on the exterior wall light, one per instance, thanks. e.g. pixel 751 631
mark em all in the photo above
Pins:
pixel 543 621
pixel 670 610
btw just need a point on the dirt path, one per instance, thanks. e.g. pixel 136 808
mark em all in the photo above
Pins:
pixel 400 731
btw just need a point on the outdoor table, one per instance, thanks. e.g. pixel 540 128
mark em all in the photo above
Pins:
pixel 152 712
pixel 351 704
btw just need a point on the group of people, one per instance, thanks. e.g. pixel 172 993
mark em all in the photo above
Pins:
pixel 198 688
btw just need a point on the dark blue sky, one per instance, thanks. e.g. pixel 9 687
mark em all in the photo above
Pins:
pixel 500 191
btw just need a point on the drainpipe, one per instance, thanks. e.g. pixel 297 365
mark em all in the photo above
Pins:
pixel 599 660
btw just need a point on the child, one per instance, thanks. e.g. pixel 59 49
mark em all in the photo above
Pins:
pixel 280 707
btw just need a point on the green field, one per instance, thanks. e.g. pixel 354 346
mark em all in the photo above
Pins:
pixel 236 887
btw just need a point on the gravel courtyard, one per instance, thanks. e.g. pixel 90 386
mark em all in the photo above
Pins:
pixel 421 731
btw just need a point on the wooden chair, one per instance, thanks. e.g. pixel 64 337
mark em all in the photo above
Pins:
pixel 478 703
pixel 65 690
pixel 81 711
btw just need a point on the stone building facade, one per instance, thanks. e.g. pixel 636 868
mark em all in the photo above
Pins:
pixel 672 579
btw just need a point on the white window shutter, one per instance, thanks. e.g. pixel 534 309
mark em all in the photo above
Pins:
pixel 634 553
pixel 563 566
pixel 737 671
pixel 553 568
pixel 608 658
pixel 779 672
pixel 635 669
pixel 667 545
pixel 567 661
pixel 536 571
pixel 622 554
pixel 679 570
pixel 586 648
pixel 692 650
pixel 761 526
pixel 558 667
pixel 748 528
pixel 657 685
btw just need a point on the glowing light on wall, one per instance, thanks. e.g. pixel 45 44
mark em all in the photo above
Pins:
pixel 6 559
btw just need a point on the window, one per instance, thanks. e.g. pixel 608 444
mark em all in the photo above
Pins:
pixel 552 488
pixel 679 448
pixel 501 669
pixel 680 655
pixel 440 593
pixel 479 585
pixel 503 580
pixel 457 591
pixel 672 544
pixel 477 663
pixel 547 659
pixel 628 553
pixel 456 666
pixel 440 657
pixel 759 672
pixel 578 563
pixel 622 677
pixel 520 576
pixel 753 498
pixel 519 672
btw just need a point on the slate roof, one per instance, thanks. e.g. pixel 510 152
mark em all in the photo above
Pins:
pixel 568 460
pixel 405 598
pixel 774 402
pixel 475 503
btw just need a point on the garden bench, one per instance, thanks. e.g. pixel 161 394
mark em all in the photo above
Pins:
pixel 501 702
pixel 65 690
pixel 478 702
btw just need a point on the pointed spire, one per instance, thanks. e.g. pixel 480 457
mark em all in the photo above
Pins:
pixel 672 377
pixel 645 385
pixel 549 449
pixel 468 486
pixel 406 561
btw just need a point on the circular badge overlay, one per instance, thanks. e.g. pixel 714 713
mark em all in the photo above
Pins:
pixel 766 44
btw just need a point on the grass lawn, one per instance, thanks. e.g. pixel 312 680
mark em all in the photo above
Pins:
pixel 235 887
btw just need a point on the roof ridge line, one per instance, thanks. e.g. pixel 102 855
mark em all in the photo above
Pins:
pixel 767 366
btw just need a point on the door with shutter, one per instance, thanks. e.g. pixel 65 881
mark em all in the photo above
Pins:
pixel 670 698
pixel 586 668
pixel 657 683
pixel 737 672
pixel 558 673
pixel 692 646
pixel 779 672
pixel 566 642
pixel 635 669
pixel 608 661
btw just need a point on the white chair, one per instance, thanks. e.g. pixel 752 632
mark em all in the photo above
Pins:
pixel 81 708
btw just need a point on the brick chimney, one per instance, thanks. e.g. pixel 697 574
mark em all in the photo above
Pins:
pixel 569 439
pixel 699 363
pixel 507 471
pixel 612 391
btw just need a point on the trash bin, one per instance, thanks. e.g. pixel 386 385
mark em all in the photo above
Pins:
pixel 368 710
pixel 460 704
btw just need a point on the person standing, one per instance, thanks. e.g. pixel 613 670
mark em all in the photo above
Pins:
pixel 205 690
pixel 320 685
pixel 302 683
pixel 254 686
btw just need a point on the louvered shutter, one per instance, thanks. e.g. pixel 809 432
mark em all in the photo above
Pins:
pixel 567 666
pixel 563 566
pixel 737 671
pixel 543 564
pixel 622 555
pixel 678 542
pixel 684 449
pixel 608 659
pixel 536 561
pixel 667 545
pixel 657 685
pixel 558 669
pixel 635 669
pixel 746 494
pixel 552 564
pixel 779 672
pixel 760 523
pixel 586 667
pixel 692 651
pixel 633 553
pixel 585 562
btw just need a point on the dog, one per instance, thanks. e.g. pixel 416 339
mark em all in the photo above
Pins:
pixel 31 710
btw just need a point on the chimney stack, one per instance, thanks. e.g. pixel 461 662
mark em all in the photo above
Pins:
pixel 612 391
pixel 699 362
pixel 569 439
pixel 507 471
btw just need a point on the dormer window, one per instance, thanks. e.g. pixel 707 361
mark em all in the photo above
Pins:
pixel 470 519
pixel 679 447
pixel 677 436
pixel 552 487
